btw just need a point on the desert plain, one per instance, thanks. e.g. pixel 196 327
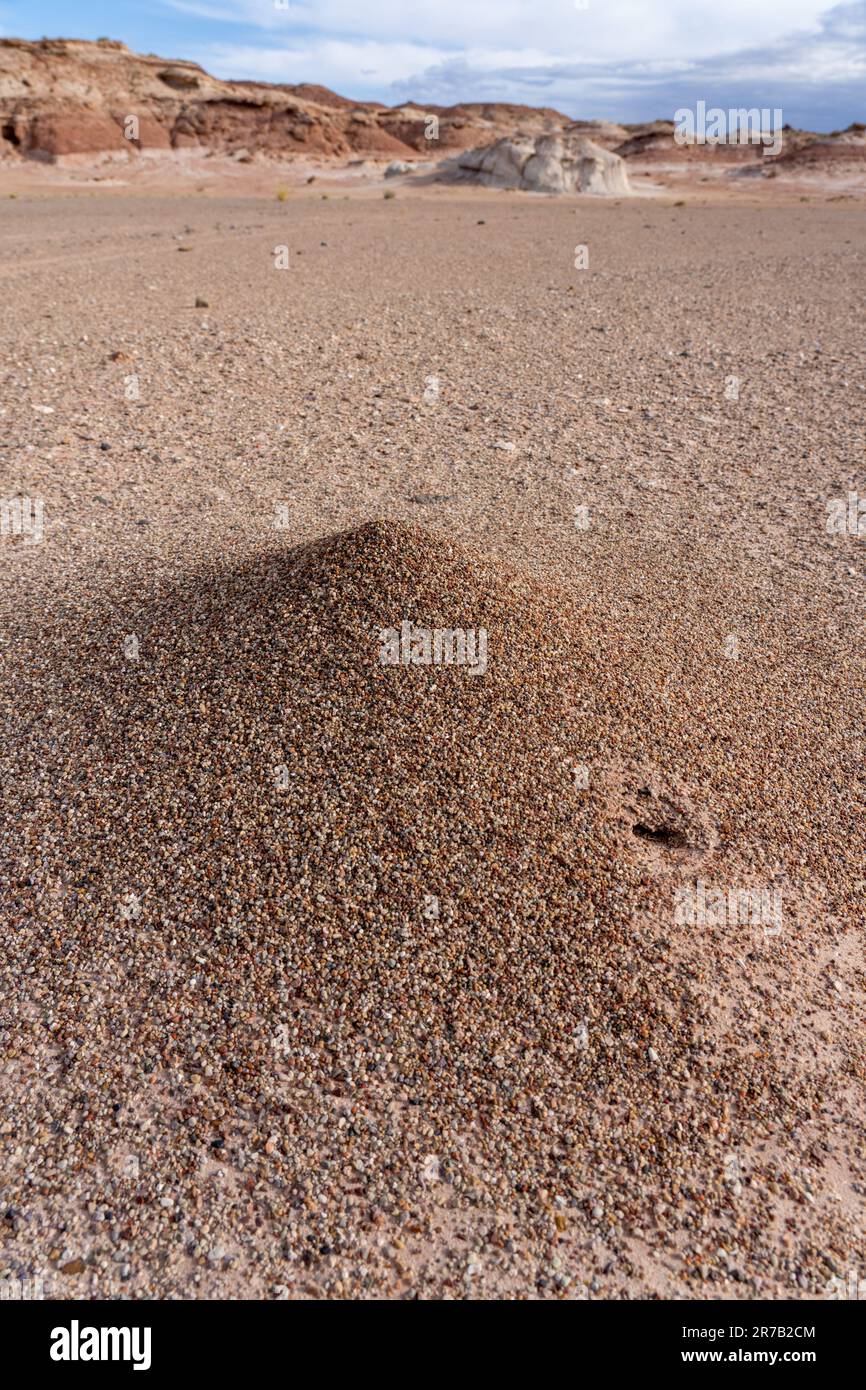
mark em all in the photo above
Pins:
pixel 324 978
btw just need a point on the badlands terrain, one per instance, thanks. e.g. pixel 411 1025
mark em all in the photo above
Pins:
pixel 73 103
pixel 328 978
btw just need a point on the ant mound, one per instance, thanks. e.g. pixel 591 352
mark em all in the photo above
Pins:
pixel 315 887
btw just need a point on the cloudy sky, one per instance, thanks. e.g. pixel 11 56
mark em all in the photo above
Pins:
pixel 617 59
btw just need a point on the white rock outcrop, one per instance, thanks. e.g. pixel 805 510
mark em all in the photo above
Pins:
pixel 567 163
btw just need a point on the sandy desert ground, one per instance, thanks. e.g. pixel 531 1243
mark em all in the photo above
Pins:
pixel 324 978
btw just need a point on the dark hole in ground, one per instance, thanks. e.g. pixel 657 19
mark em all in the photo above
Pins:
pixel 8 133
pixel 661 835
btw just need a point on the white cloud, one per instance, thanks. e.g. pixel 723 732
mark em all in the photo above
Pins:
pixel 630 59
pixel 630 29
pixel 334 63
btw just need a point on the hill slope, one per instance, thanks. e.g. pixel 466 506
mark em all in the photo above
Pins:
pixel 68 97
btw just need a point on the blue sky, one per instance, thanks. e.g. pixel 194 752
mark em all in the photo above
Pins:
pixel 616 59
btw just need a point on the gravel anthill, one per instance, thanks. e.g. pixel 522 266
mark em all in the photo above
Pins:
pixel 291 882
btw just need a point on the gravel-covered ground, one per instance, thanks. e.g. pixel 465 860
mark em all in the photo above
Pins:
pixel 325 977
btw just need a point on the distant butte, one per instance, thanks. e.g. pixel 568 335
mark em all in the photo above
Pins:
pixel 68 99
